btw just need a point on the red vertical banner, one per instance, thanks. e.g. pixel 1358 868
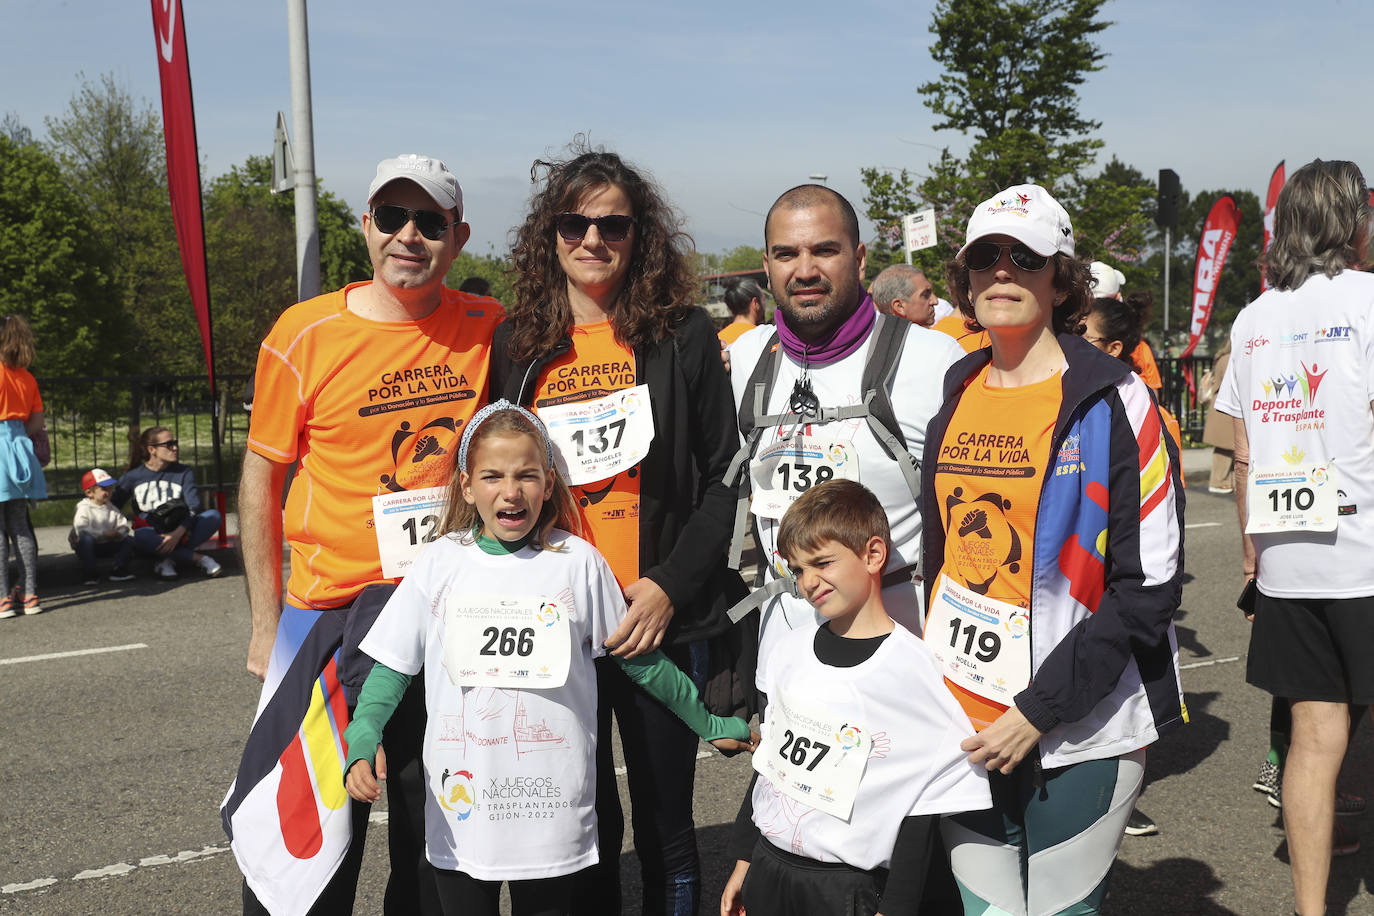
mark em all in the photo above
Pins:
pixel 1217 235
pixel 1271 200
pixel 183 166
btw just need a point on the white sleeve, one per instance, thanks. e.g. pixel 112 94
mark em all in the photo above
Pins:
pixel 953 784
pixel 606 604
pixel 1228 393
pixel 399 634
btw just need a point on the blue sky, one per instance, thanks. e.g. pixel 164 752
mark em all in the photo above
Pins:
pixel 727 104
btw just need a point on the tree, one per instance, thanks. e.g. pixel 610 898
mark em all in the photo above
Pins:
pixel 53 266
pixel 251 250
pixel 110 149
pixel 1011 75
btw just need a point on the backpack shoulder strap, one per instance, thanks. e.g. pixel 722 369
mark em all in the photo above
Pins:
pixel 884 355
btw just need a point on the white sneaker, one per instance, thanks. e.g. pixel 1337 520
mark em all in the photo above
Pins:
pixel 165 570
pixel 210 567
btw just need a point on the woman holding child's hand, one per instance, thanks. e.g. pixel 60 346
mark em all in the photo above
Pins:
pixel 1052 557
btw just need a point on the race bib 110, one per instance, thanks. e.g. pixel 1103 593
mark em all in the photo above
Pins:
pixel 1291 498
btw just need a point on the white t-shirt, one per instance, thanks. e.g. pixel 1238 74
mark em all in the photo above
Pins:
pixel 511 772
pixel 898 701
pixel 916 391
pixel 1301 376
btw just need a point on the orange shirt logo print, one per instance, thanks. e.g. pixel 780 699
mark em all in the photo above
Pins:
pixel 422 457
pixel 984 541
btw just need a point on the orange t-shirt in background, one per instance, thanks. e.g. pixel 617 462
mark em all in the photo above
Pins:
pixel 953 325
pixel 732 331
pixel 988 479
pixel 1144 357
pixel 19 396
pixel 368 407
pixel 596 365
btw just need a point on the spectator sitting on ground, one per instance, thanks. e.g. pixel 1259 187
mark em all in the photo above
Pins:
pixel 101 530
pixel 171 522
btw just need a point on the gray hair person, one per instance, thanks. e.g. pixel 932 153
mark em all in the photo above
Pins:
pixel 904 291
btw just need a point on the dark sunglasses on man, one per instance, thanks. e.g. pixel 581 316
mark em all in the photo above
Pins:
pixel 390 218
pixel 613 227
pixel 985 255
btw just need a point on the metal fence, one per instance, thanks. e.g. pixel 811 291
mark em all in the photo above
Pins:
pixel 1179 398
pixel 93 421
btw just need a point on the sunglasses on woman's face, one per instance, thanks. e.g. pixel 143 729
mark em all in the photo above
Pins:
pixel 985 255
pixel 612 228
pixel 390 218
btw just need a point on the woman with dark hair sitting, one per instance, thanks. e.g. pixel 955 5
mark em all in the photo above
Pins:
pixel 167 503
pixel 604 341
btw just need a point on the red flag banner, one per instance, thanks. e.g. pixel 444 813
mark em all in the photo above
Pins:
pixel 1217 235
pixel 1271 200
pixel 183 167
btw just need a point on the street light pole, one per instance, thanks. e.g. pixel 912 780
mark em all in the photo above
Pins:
pixel 307 225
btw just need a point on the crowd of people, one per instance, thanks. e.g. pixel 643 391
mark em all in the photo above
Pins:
pixel 514 528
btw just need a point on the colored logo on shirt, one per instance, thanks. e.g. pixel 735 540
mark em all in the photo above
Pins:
pixel 456 793
pixel 548 613
pixel 850 737
pixel 422 457
pixel 984 542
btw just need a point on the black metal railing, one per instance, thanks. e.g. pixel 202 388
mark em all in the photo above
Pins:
pixel 94 420
pixel 1182 400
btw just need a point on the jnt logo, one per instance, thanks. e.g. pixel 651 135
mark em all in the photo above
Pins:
pixel 1337 333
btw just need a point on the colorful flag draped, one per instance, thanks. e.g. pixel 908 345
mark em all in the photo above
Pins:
pixel 183 167
pixel 1217 235
pixel 1271 200
pixel 287 815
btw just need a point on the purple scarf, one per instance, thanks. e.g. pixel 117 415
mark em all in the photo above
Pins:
pixel 839 343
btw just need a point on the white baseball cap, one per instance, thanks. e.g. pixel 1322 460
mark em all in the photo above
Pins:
pixel 1107 281
pixel 1028 214
pixel 431 175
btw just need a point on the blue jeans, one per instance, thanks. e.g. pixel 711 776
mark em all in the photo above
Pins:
pixel 201 529
pixel 88 548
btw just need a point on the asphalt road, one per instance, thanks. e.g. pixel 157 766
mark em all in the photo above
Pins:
pixel 118 758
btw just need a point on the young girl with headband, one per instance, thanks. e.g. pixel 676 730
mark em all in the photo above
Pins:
pixel 505 612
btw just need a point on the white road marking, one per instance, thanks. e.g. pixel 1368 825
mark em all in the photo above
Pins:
pixel 120 869
pixel 73 654
pixel 1202 525
pixel 1210 661
pixel 28 886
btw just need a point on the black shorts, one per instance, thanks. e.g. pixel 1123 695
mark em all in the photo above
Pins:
pixel 780 883
pixel 1313 649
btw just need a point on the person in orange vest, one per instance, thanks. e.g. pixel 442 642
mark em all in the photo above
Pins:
pixel 1113 326
pixel 1107 284
pixel 744 299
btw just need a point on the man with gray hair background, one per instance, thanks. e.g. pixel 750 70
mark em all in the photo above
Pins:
pixel 905 291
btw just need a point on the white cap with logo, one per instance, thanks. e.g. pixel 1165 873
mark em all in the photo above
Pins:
pixel 431 175
pixel 1028 214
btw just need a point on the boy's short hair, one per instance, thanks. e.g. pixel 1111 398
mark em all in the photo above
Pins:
pixel 844 511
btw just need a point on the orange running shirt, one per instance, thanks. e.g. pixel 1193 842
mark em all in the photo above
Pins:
pixel 953 325
pixel 19 395
pixel 987 484
pixel 732 331
pixel 1144 357
pixel 593 367
pixel 368 407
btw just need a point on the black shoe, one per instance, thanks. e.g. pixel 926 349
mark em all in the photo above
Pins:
pixel 120 575
pixel 1139 824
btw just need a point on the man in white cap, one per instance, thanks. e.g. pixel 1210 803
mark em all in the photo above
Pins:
pixel 366 389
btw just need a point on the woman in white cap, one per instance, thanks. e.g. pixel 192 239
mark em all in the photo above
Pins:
pixel 1053 567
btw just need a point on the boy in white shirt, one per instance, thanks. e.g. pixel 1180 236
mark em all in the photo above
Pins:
pixel 101 530
pixel 860 748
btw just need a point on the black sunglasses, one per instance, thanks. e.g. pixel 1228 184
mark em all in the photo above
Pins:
pixel 170 443
pixel 985 255
pixel 391 218
pixel 613 227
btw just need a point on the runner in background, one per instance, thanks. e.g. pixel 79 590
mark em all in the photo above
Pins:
pixel 744 299
pixel 1049 476
pixel 1303 403
pixel 605 342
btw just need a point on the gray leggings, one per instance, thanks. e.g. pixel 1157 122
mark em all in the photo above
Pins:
pixel 14 514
